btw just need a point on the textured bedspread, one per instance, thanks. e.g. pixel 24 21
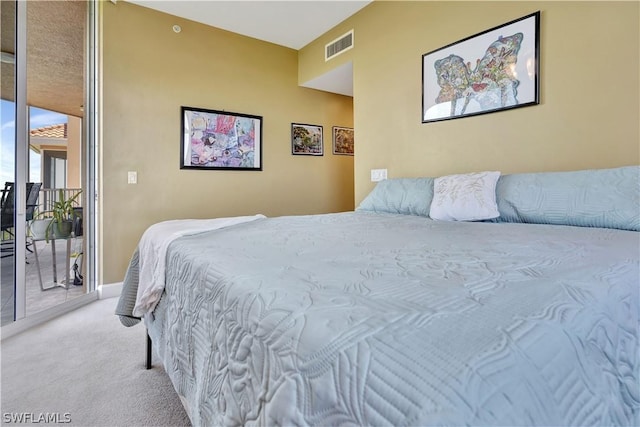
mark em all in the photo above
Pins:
pixel 380 319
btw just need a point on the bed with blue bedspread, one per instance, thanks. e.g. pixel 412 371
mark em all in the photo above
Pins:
pixel 386 316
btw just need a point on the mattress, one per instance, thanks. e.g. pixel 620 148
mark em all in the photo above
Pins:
pixel 363 318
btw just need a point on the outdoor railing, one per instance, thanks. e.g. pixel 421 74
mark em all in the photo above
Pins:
pixel 48 196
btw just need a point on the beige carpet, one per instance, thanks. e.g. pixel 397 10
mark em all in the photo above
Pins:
pixel 87 368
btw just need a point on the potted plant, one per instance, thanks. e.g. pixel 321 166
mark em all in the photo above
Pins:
pixel 62 211
pixel 58 220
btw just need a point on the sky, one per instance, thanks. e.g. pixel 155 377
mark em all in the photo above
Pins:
pixel 38 118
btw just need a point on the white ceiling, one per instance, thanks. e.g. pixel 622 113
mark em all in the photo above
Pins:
pixel 289 23
pixel 292 23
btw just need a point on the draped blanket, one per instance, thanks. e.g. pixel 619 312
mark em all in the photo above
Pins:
pixel 152 252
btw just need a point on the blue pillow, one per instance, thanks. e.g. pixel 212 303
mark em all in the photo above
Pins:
pixel 407 196
pixel 605 198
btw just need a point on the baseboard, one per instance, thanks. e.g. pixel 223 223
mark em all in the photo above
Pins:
pixel 110 290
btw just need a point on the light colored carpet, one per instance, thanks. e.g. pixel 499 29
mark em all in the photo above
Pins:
pixel 87 365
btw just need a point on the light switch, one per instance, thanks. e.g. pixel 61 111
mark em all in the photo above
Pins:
pixel 378 175
pixel 132 177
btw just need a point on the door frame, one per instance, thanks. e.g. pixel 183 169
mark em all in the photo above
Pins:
pixel 90 171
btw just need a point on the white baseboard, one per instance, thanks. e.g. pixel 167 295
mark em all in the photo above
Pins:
pixel 110 290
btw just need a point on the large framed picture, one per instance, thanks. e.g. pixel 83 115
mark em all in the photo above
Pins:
pixel 342 140
pixel 306 139
pixel 495 70
pixel 213 139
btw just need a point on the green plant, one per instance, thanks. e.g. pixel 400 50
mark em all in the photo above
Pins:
pixel 62 208
pixel 61 212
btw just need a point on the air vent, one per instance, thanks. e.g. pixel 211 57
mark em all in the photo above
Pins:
pixel 339 45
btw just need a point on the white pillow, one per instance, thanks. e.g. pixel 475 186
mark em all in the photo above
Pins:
pixel 465 197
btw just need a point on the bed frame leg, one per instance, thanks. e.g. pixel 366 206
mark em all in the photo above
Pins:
pixel 148 362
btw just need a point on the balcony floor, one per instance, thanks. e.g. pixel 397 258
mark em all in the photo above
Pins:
pixel 38 300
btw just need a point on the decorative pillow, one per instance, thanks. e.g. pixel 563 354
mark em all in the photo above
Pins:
pixel 606 198
pixel 465 197
pixel 407 196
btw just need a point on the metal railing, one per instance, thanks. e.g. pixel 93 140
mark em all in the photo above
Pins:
pixel 49 196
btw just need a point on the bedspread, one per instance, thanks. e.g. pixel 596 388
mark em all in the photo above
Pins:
pixel 378 319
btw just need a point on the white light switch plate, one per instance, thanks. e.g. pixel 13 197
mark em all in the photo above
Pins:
pixel 132 177
pixel 378 175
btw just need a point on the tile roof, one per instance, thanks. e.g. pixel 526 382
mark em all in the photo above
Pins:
pixel 53 131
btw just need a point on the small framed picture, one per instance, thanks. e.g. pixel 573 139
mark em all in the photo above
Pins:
pixel 343 141
pixel 306 139
pixel 214 139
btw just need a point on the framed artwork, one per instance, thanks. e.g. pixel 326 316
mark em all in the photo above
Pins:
pixel 495 70
pixel 342 141
pixel 306 139
pixel 214 139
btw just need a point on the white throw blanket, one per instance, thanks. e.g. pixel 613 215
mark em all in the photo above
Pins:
pixel 152 252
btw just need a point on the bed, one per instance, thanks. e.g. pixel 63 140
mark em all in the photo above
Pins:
pixel 387 316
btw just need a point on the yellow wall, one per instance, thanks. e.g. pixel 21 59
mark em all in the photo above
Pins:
pixel 149 72
pixel 589 74
pixel 74 152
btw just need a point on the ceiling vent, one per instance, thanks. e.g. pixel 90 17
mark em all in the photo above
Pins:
pixel 338 46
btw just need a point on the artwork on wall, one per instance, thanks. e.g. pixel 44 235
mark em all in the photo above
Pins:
pixel 306 139
pixel 342 140
pixel 495 70
pixel 214 139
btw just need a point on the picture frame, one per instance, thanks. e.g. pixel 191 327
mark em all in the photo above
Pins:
pixel 506 74
pixel 306 139
pixel 220 140
pixel 342 140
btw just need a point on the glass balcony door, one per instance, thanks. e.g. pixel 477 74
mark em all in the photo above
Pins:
pixel 48 143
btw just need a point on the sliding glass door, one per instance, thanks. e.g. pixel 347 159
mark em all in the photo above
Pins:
pixel 48 156
pixel 7 158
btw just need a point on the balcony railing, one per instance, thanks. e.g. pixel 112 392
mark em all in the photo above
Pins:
pixel 48 196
